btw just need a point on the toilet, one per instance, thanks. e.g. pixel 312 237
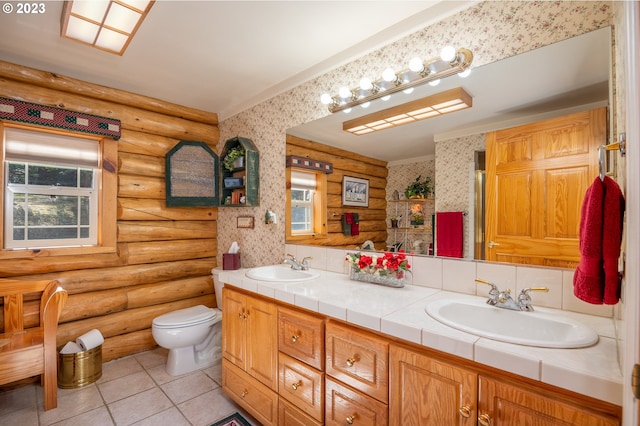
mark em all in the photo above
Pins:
pixel 193 337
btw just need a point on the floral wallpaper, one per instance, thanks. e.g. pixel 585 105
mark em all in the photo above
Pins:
pixel 491 30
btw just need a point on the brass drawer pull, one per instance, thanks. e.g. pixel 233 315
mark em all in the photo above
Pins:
pixel 295 386
pixel 351 419
pixel 294 338
pixel 484 420
pixel 465 411
pixel 244 393
pixel 352 361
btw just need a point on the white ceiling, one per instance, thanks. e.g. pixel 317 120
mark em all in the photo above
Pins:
pixel 226 56
pixel 221 56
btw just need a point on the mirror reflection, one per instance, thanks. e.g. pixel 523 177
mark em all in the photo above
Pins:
pixel 559 80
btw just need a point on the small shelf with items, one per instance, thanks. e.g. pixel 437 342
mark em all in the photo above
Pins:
pixel 410 233
pixel 239 173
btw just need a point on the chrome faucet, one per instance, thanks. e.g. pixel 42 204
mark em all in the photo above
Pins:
pixel 503 299
pixel 302 266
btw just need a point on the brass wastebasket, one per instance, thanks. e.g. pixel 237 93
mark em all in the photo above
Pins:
pixel 79 369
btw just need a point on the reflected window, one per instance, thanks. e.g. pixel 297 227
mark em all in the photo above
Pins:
pixel 306 195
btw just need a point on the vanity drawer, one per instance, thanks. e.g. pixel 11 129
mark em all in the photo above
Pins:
pixel 290 415
pixel 301 336
pixel 302 386
pixel 359 359
pixel 348 406
pixel 260 401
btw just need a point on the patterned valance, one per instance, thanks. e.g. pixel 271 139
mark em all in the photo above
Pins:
pixel 25 112
pixel 307 163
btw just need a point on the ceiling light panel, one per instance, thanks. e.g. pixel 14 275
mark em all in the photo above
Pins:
pixel 105 24
pixel 420 109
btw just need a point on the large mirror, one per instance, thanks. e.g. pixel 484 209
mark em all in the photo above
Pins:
pixel 562 78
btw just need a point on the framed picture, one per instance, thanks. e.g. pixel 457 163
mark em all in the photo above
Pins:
pixel 192 173
pixel 245 221
pixel 355 192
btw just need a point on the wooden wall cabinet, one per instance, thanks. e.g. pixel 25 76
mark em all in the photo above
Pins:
pixel 240 186
pixel 250 354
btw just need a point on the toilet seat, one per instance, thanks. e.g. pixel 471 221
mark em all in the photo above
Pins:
pixel 185 317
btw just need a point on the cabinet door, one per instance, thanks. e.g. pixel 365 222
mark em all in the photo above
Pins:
pixel 346 406
pixel 358 359
pixel 234 327
pixel 262 341
pixel 504 404
pixel 429 392
pixel 257 399
pixel 301 336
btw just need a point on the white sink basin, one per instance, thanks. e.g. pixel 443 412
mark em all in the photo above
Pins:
pixel 522 328
pixel 280 273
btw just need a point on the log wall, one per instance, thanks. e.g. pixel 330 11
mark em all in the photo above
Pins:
pixel 373 225
pixel 164 255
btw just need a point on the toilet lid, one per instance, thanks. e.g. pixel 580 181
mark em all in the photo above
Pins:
pixel 186 317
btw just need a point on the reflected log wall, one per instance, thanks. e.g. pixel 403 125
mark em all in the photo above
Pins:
pixel 164 255
pixel 373 225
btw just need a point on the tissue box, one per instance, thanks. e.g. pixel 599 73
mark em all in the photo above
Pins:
pixel 230 261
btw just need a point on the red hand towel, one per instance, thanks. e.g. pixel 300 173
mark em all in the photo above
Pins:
pixel 614 206
pixel 588 279
pixel 449 234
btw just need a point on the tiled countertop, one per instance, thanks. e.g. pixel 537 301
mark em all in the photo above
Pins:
pixel 400 312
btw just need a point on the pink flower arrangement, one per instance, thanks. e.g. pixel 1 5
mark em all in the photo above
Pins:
pixel 388 264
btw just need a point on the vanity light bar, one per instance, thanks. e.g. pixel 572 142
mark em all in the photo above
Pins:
pixel 431 106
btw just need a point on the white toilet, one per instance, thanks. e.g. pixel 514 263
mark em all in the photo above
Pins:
pixel 193 337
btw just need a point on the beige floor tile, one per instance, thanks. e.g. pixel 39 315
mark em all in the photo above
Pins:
pixel 170 417
pixel 152 358
pixel 22 417
pixel 215 372
pixel 17 399
pixel 160 375
pixel 188 387
pixel 126 386
pixel 98 417
pixel 119 368
pixel 207 408
pixel 140 406
pixel 71 402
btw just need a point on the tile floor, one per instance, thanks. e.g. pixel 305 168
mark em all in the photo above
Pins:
pixel 135 390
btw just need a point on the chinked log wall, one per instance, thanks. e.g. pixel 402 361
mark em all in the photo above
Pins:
pixel 372 219
pixel 164 255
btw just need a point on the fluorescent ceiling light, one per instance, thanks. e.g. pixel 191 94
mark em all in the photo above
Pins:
pixel 108 25
pixel 420 109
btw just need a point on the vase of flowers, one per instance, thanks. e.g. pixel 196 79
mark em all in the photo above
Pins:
pixel 394 221
pixel 417 216
pixel 388 269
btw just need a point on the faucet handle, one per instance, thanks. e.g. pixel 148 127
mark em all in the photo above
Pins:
pixel 524 298
pixel 304 260
pixel 290 256
pixel 493 286
pixel 494 293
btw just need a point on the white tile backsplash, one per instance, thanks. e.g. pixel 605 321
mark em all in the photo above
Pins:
pixel 459 276
pixel 427 271
pixel 500 274
pixel 528 277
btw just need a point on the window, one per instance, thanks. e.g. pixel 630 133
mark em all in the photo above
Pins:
pixel 305 203
pixel 54 193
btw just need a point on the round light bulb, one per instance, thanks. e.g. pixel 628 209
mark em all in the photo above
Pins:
pixel 389 75
pixel 386 98
pixel 416 65
pixel 434 82
pixel 326 99
pixel 346 111
pixel 365 105
pixel 344 92
pixel 465 73
pixel 448 53
pixel 365 83
pixel 408 91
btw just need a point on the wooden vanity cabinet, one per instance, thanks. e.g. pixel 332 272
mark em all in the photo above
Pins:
pixel 502 404
pixel 250 354
pixel 425 391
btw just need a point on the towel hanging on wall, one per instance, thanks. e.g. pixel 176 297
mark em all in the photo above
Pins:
pixel 449 234
pixel 596 279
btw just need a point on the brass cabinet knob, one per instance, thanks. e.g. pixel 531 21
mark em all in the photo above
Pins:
pixel 350 419
pixel 244 393
pixel 295 386
pixel 352 361
pixel 465 411
pixel 484 420
pixel 294 338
